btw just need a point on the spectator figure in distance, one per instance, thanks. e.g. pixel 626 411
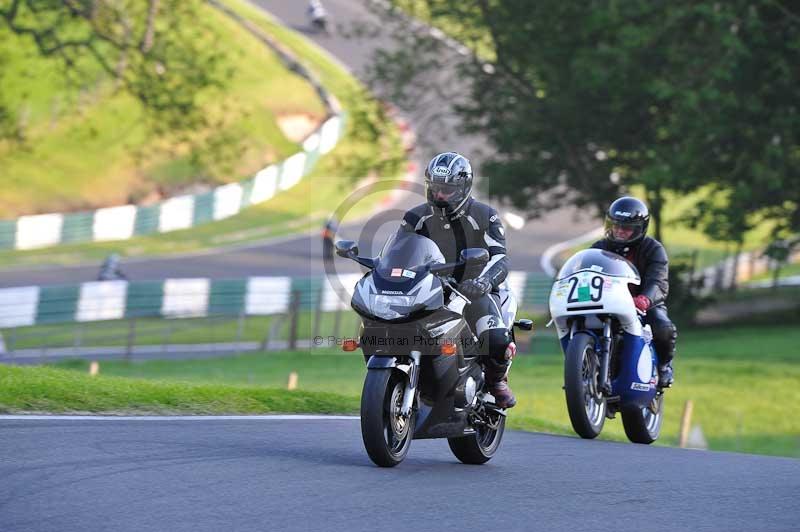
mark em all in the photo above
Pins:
pixel 328 232
pixel 110 269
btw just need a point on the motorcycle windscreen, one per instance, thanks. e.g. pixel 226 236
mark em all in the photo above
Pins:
pixel 600 261
pixel 402 285
pixel 405 255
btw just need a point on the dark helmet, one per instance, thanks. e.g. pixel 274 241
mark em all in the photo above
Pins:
pixel 627 213
pixel 449 173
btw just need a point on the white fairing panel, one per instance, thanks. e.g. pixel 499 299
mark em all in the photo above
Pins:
pixel 456 304
pixel 644 366
pixel 588 293
pixel 508 306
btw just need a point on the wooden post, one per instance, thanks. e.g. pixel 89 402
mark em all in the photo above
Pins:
pixel 294 311
pixel 686 422
pixel 77 340
pixel 240 327
pixel 272 331
pixel 318 315
pixel 131 339
pixel 737 257
pixel 337 321
pixel 11 342
pixel 292 384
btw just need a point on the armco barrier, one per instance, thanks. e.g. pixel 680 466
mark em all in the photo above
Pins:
pixel 201 297
pixel 182 212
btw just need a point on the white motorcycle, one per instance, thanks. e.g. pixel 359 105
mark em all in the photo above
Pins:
pixel 610 364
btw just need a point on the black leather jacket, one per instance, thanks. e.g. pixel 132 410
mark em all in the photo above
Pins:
pixel 476 225
pixel 650 258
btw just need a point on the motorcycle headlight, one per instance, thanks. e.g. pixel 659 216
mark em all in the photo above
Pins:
pixel 391 307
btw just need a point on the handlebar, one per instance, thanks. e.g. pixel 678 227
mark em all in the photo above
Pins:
pixel 449 282
pixel 440 269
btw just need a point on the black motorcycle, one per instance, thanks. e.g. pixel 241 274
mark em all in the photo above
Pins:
pixel 424 376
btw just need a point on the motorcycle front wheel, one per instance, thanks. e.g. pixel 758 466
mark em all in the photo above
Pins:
pixel 386 434
pixel 585 402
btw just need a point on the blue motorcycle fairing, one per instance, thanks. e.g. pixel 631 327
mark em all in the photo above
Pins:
pixel 564 343
pixel 636 378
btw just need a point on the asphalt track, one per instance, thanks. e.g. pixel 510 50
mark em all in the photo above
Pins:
pixel 295 474
pixel 301 255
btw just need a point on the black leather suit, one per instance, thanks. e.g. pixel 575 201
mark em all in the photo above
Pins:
pixel 650 258
pixel 476 225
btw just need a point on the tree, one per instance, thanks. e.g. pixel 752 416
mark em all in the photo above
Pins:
pixel 159 51
pixel 580 100
pixel 745 141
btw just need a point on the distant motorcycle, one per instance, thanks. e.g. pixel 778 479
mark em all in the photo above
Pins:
pixel 424 377
pixel 610 364
pixel 318 17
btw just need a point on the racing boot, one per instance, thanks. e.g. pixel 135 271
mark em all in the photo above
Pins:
pixel 665 375
pixel 665 336
pixel 497 383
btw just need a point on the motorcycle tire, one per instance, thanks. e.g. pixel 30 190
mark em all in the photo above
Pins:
pixel 387 437
pixel 643 425
pixel 480 447
pixel 586 405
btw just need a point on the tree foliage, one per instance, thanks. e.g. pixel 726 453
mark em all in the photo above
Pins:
pixel 159 51
pixel 580 100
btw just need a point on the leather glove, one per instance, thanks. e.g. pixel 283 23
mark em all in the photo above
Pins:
pixel 475 288
pixel 642 303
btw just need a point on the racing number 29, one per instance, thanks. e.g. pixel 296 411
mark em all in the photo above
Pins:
pixel 574 293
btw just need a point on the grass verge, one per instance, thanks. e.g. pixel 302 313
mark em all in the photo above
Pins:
pixel 61 391
pixel 742 380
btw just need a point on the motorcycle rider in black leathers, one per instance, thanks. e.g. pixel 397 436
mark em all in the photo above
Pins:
pixel 625 234
pixel 455 221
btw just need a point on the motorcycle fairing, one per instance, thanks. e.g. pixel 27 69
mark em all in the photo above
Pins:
pixel 635 382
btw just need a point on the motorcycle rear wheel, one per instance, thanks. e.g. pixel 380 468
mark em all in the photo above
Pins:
pixel 387 435
pixel 643 425
pixel 480 447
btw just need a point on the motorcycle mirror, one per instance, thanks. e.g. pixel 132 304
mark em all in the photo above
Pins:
pixel 524 325
pixel 347 249
pixel 474 256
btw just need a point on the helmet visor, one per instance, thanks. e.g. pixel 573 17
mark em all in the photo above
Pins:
pixel 623 232
pixel 446 190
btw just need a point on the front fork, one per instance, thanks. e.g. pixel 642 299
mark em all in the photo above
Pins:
pixel 604 343
pixel 411 385
pixel 605 358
